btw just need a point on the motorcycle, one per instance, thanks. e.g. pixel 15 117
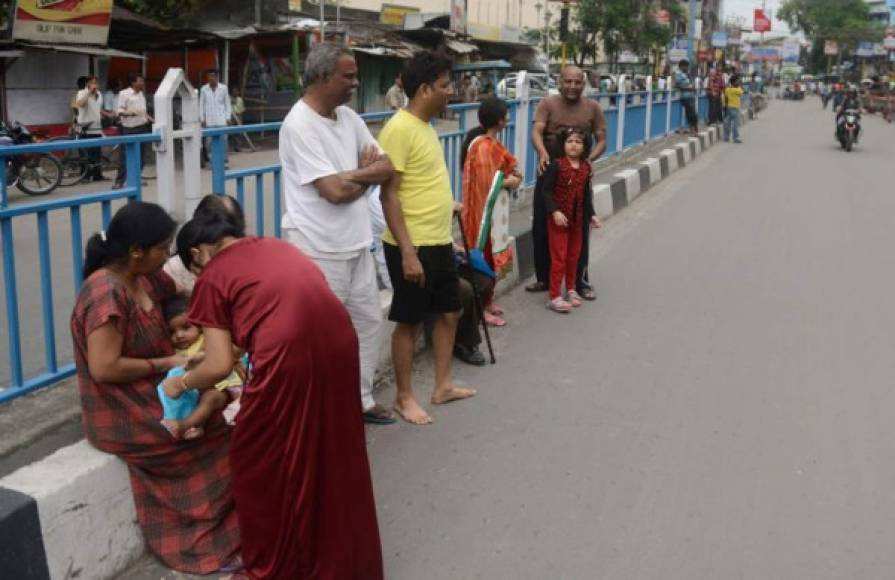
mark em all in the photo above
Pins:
pixel 35 173
pixel 849 129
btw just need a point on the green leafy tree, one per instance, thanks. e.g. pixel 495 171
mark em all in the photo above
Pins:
pixel 845 21
pixel 617 25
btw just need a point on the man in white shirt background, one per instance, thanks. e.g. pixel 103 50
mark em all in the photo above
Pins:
pixel 89 103
pixel 329 161
pixel 215 109
pixel 135 119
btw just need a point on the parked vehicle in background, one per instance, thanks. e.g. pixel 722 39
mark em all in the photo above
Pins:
pixel 539 85
pixel 35 174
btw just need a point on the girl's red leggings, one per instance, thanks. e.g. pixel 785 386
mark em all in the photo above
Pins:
pixel 565 249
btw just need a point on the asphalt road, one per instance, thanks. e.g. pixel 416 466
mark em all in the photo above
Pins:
pixel 724 410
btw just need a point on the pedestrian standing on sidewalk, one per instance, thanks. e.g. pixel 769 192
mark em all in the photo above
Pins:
pixel 395 98
pixel 419 206
pixel 716 96
pixel 300 473
pixel 568 199
pixel 569 109
pixel 90 125
pixel 732 100
pixel 329 161
pixel 684 84
pixel 135 120
pixel 215 110
pixel 482 155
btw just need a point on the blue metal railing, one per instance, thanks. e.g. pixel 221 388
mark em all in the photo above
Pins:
pixel 266 201
pixel 23 380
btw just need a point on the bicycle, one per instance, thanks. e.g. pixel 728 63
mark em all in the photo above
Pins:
pixel 76 165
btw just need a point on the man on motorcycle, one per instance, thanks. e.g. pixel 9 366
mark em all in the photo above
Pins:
pixel 850 101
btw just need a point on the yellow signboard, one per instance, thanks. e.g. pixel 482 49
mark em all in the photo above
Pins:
pixel 394 14
pixel 63 21
pixel 294 5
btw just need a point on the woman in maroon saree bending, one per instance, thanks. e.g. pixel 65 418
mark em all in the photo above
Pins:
pixel 298 456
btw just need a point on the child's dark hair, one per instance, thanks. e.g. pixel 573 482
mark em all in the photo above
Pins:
pixel 136 225
pixel 424 68
pixel 174 307
pixel 223 205
pixel 204 229
pixel 569 131
pixel 491 112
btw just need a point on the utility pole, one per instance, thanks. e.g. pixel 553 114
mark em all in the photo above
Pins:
pixel 322 21
pixel 691 33
pixel 257 12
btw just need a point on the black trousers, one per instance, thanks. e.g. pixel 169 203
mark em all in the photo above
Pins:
pixel 689 105
pixel 542 246
pixel 716 111
pixel 94 158
pixel 122 169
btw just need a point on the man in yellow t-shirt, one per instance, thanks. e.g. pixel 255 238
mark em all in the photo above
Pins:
pixel 732 98
pixel 418 206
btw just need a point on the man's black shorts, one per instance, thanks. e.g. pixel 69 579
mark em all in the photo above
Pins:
pixel 410 303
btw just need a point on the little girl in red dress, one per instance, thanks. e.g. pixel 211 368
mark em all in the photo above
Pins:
pixel 569 202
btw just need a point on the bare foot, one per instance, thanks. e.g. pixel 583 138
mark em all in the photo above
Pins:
pixel 175 428
pixel 410 411
pixel 451 393
pixel 179 430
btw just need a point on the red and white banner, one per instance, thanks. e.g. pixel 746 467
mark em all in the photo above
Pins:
pixel 761 22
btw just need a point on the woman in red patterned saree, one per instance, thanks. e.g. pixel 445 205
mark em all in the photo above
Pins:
pixel 122 351
pixel 482 156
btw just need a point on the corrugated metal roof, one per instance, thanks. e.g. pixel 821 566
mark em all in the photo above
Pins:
pixel 460 47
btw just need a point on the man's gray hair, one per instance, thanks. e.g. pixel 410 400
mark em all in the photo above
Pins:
pixel 321 61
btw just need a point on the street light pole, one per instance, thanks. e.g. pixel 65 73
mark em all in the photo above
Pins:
pixel 691 32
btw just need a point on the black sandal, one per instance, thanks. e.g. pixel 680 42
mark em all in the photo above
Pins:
pixel 536 287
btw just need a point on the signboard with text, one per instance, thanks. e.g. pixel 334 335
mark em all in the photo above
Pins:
pixel 865 49
pixel 63 21
pixel 719 39
pixel 831 48
pixel 761 22
pixel 394 14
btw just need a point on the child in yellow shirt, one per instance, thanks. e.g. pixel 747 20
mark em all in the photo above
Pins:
pixel 733 95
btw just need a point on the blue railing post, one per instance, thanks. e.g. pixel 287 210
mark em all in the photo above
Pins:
pixel 4 191
pixel 46 291
pixel 278 203
pixel 12 303
pixel 134 156
pixel 218 164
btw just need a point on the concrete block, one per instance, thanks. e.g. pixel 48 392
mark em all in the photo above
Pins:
pixel 694 147
pixel 603 200
pixel 654 169
pixel 631 178
pixel 618 190
pixel 704 140
pixel 669 161
pixel 86 509
pixel 22 555
pixel 684 155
